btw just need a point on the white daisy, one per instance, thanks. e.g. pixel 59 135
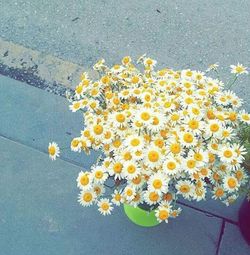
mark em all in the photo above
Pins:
pixel 227 154
pixel 158 183
pixel 214 128
pixel 75 106
pixel 87 197
pixel 188 139
pixel 230 200
pixel 238 69
pixel 117 198
pixel 151 197
pixel 119 119
pixel 212 67
pixel 84 180
pixel 230 184
pixel 153 156
pixel 244 116
pixel 185 188
pixel 138 199
pixel 158 122
pixel 190 165
pixel 129 193
pixel 218 193
pixel 99 174
pixel 105 206
pixel 53 150
pixel 116 169
pixel 144 115
pixel 98 189
pixel 163 212
pixel 131 169
pixel 171 166
pixel 199 194
pixel 134 143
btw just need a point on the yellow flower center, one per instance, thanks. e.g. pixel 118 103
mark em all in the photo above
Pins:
pixel 189 73
pixel 117 143
pixel 156 121
pixel 105 80
pixel 105 206
pixel 171 165
pixel 135 142
pixel 137 180
pixel 86 133
pixel 189 100
pixel 216 177
pixel 98 129
pixel 193 124
pixel 79 89
pixel 127 156
pixel 75 143
pixel 159 143
pixel 191 163
pixel 214 146
pixel 97 190
pixel 228 154
pixel 219 192
pixel 167 104
pixel 245 117
pixel 175 117
pixel 195 111
pixel 184 188
pixel 188 138
pixel 153 196
pixel 232 116
pixel 52 150
pixel 98 174
pixel 231 183
pixel 163 214
pixel 175 148
pixel 145 116
pixel 157 183
pixel 214 127
pixel 204 171
pixel 129 192
pixel 84 180
pixel 126 60
pixel 120 117
pixel 131 169
pixel 138 124
pixel 117 167
pixel 76 105
pixel 149 62
pixel 153 156
pixel 239 69
pixel 135 79
pixel 239 175
pixel 87 197
pixel 117 197
pixel 198 156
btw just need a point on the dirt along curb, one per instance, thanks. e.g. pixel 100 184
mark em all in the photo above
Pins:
pixel 38 69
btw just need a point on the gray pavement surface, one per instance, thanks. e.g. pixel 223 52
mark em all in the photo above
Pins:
pixel 178 34
pixel 39 213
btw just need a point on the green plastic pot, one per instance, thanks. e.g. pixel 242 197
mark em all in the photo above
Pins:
pixel 140 217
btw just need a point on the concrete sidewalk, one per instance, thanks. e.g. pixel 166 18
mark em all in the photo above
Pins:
pixel 39 213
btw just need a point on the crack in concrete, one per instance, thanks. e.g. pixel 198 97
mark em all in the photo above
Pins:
pixel 222 229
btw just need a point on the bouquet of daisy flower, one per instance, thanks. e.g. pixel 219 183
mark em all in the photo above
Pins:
pixel 163 135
